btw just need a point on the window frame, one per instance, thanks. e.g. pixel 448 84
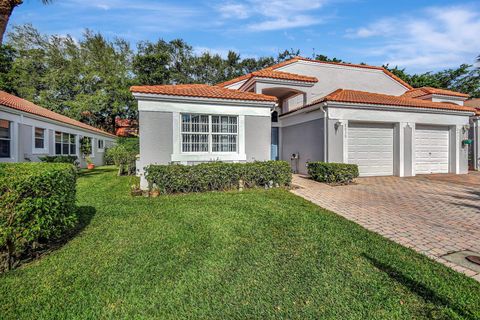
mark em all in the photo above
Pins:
pixel 209 134
pixel 63 144
pixel 103 145
pixel 9 139
pixel 44 149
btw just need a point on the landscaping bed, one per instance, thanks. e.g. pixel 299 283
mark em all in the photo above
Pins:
pixel 227 255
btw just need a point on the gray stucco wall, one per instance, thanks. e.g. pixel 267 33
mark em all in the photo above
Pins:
pixel 334 141
pixel 257 138
pixel 25 139
pixel 156 137
pixel 306 139
pixel 463 156
pixel 408 151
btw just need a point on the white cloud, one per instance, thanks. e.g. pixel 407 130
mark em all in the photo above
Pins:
pixel 435 38
pixel 233 11
pixel 274 14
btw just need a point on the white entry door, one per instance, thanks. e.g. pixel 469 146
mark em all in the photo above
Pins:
pixel 431 149
pixel 370 146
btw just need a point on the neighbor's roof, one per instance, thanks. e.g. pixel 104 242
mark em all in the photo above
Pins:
pixel 296 59
pixel 202 91
pixel 362 97
pixel 20 104
pixel 423 91
pixel 474 103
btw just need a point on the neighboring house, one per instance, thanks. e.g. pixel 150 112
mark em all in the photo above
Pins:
pixel 126 127
pixel 305 110
pixel 474 155
pixel 28 131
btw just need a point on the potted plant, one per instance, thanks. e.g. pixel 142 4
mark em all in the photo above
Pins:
pixel 90 165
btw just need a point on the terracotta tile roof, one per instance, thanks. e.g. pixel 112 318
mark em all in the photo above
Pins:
pixel 202 91
pixel 472 102
pixel 423 91
pixel 362 97
pixel 296 59
pixel 20 104
pixel 270 73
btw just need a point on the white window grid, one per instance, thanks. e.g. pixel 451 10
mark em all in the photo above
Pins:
pixel 67 142
pixel 201 133
pixel 39 136
pixel 8 137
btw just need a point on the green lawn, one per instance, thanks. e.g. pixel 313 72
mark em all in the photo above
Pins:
pixel 232 255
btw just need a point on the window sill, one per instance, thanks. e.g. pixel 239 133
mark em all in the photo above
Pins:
pixel 226 156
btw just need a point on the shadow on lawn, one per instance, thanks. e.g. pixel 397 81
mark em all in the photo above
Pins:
pixel 418 288
pixel 85 215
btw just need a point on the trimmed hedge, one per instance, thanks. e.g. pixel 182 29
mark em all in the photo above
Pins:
pixel 176 178
pixel 61 159
pixel 340 173
pixel 37 203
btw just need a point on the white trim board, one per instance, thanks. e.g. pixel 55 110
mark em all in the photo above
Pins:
pixel 163 106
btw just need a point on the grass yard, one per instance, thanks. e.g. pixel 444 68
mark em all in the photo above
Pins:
pixel 255 254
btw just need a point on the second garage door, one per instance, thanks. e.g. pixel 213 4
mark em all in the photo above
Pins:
pixel 431 149
pixel 370 146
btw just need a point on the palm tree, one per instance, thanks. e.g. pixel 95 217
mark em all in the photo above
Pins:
pixel 6 9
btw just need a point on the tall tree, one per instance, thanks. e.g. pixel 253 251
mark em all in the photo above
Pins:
pixel 6 10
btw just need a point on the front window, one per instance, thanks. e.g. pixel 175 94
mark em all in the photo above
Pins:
pixel 224 134
pixel 39 138
pixel 5 138
pixel 65 143
pixel 101 144
pixel 207 133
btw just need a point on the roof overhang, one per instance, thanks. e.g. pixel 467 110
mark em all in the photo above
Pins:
pixel 272 81
pixel 349 105
pixel 202 100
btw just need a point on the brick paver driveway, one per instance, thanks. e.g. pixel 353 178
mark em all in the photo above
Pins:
pixel 434 215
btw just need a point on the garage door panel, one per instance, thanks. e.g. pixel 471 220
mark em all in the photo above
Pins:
pixel 370 146
pixel 431 149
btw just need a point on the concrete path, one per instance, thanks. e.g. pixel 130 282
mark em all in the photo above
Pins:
pixel 435 215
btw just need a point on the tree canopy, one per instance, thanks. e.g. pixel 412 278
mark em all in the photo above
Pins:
pixel 88 79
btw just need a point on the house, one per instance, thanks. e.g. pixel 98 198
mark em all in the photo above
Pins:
pixel 305 110
pixel 28 132
pixel 474 135
pixel 126 127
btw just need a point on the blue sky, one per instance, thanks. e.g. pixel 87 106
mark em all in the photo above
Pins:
pixel 418 35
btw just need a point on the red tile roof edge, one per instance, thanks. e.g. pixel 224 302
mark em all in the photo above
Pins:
pixel 201 91
pixel 11 101
pixel 407 102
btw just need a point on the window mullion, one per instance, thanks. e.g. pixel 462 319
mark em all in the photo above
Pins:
pixel 210 140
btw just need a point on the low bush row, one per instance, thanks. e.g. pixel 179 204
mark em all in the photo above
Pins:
pixel 37 203
pixel 341 173
pixel 212 176
pixel 61 159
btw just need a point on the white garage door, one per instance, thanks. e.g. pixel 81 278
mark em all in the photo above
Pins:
pixel 431 149
pixel 370 146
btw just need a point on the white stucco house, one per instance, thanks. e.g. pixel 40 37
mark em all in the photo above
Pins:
pixel 305 110
pixel 28 132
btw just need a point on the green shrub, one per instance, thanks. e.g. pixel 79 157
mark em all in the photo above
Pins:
pixel 340 173
pixel 130 143
pixel 123 158
pixel 37 203
pixel 61 159
pixel 211 176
